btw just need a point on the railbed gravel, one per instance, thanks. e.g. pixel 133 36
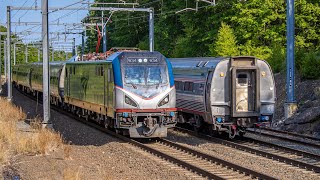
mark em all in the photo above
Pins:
pixel 93 154
pixel 248 160
pixel 284 143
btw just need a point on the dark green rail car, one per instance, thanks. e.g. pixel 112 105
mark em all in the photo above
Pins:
pixel 89 85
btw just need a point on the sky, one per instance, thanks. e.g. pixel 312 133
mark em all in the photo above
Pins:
pixel 62 16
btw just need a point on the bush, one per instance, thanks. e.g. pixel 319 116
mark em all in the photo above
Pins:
pixel 277 59
pixel 310 65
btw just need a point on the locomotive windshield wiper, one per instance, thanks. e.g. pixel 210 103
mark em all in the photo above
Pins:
pixel 133 85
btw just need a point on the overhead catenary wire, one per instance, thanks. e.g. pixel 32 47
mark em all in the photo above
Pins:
pixel 19 9
pixel 27 10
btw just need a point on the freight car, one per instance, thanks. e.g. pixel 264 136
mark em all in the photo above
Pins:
pixel 224 94
pixel 132 92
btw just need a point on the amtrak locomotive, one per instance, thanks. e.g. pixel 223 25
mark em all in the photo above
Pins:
pixel 224 94
pixel 132 92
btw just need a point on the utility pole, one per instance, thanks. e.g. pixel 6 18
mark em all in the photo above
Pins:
pixel 9 84
pixel 291 104
pixel 45 60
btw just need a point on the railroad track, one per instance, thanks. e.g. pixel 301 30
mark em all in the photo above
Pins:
pixel 293 157
pixel 295 138
pixel 194 161
pixel 290 133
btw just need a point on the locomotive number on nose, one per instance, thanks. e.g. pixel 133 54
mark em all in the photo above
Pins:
pixel 142 60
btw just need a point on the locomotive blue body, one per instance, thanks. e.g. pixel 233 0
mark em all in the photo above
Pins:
pixel 132 92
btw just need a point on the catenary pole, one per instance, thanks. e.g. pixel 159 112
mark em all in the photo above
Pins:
pixel 9 84
pixel 14 54
pixel 151 29
pixel 45 59
pixel 82 45
pixel 0 66
pixel 74 47
pixel 52 59
pixel 290 105
pixel 5 58
pixel 26 53
pixel 39 54
pixel 103 28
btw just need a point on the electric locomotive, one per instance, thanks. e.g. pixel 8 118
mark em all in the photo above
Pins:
pixel 224 94
pixel 132 92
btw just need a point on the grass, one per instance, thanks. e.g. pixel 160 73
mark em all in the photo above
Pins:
pixel 14 141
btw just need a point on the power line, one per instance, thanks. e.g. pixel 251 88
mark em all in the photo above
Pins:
pixel 27 10
pixel 19 9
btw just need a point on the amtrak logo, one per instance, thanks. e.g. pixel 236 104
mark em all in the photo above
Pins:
pixel 84 84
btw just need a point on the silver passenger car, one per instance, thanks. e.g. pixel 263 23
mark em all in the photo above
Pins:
pixel 224 94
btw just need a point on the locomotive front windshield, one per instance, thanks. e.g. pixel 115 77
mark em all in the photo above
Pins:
pixel 145 80
pixel 145 75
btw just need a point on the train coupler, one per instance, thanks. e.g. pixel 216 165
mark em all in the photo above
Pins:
pixel 232 130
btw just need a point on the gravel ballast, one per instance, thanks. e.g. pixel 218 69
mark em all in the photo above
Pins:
pixel 90 155
pixel 251 161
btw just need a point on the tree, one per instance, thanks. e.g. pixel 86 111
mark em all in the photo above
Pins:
pixel 226 43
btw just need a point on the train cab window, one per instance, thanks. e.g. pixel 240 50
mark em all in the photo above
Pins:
pixel 242 79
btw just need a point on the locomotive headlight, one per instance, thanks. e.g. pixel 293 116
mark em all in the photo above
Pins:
pixel 164 101
pixel 129 101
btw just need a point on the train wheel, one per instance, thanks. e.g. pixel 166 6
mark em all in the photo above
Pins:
pixel 118 131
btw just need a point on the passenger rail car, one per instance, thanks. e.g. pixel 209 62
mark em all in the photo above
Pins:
pixel 132 92
pixel 224 94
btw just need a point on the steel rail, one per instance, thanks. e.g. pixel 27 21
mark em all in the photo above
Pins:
pixel 286 149
pixel 290 133
pixel 217 160
pixel 162 155
pixel 286 139
pixel 254 151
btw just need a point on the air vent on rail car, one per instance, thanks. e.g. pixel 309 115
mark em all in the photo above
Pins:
pixel 243 61
pixel 198 65
pixel 204 65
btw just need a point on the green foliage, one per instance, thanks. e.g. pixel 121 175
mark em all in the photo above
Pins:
pixel 255 27
pixel 277 58
pixel 226 43
pixel 310 66
pixel 249 49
